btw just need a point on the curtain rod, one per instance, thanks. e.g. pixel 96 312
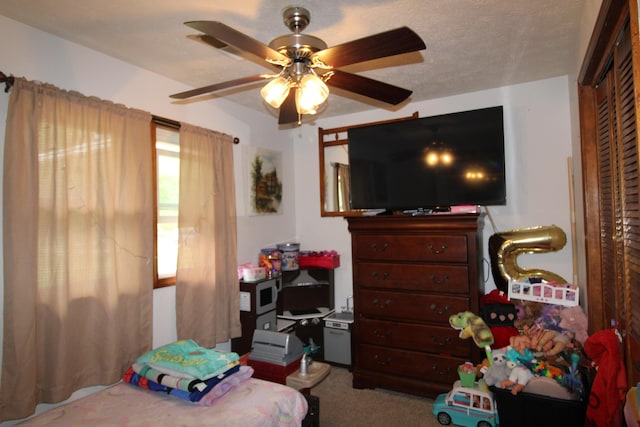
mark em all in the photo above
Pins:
pixel 8 83
pixel 7 80
pixel 176 125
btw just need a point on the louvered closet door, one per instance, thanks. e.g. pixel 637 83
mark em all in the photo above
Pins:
pixel 610 212
pixel 619 200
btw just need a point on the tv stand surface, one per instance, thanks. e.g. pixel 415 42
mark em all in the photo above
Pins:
pixel 429 211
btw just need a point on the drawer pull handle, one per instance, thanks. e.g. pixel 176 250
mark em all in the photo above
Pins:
pixel 379 360
pixel 383 276
pixel 381 334
pixel 440 251
pixel 434 307
pixel 375 247
pixel 443 278
pixel 441 343
pixel 377 303
pixel 439 371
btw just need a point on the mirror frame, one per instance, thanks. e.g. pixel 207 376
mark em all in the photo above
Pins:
pixel 340 137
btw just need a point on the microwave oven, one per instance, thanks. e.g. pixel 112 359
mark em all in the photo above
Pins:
pixel 259 297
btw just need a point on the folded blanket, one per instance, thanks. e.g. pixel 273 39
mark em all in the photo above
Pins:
pixel 186 384
pixel 226 384
pixel 186 359
pixel 193 396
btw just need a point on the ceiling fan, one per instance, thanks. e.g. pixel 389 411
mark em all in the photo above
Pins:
pixel 305 65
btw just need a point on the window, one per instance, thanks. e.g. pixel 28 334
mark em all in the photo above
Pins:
pixel 167 166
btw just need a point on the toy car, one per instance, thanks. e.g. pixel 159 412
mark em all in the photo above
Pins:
pixel 466 406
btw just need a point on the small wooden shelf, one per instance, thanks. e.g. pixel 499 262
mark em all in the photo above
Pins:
pixel 316 372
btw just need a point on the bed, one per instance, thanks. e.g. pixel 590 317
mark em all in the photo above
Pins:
pixel 183 384
pixel 253 403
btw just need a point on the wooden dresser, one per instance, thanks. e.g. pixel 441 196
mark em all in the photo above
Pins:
pixel 409 275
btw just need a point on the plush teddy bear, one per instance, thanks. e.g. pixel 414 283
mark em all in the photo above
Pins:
pixel 498 371
pixel 575 320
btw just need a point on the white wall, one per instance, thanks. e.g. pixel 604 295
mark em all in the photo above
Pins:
pixel 538 120
pixel 36 55
pixel 537 145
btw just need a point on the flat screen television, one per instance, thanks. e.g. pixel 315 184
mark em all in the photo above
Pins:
pixel 429 163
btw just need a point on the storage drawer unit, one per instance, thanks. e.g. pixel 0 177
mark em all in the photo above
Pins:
pixel 409 275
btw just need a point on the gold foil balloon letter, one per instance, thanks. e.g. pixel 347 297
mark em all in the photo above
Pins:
pixel 505 247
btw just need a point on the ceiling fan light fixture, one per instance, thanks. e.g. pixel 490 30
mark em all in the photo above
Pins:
pixel 276 91
pixel 311 93
pixel 297 55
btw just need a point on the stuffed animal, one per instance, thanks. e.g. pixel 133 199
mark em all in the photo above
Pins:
pixel 498 371
pixel 523 357
pixel 499 313
pixel 518 378
pixel 520 343
pixel 575 320
pixel 557 344
pixel 542 368
pixel 472 326
pixel 547 342
pixel 528 313
pixel 550 317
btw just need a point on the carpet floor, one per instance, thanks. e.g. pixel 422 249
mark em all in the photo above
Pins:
pixel 343 406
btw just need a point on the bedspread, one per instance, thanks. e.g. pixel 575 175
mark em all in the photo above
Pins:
pixel 253 403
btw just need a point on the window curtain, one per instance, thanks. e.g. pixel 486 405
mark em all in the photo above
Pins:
pixel 207 289
pixel 342 190
pixel 78 244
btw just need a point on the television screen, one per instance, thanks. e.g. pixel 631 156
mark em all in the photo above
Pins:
pixel 429 163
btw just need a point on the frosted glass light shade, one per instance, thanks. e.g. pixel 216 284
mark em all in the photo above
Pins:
pixel 275 92
pixel 312 92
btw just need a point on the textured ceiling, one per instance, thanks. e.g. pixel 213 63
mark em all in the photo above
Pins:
pixel 471 44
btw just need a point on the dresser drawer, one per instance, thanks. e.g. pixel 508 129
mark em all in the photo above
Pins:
pixel 420 247
pixel 424 277
pixel 410 306
pixel 413 336
pixel 423 366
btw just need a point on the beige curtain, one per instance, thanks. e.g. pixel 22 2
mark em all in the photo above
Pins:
pixel 342 190
pixel 207 290
pixel 78 244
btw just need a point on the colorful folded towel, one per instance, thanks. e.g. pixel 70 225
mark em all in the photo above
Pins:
pixel 193 396
pixel 186 359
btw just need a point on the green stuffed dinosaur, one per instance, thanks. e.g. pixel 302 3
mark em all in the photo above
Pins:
pixel 471 325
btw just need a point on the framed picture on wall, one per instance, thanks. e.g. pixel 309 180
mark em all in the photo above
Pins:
pixel 264 177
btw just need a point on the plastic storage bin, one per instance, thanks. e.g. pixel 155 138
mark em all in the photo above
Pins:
pixel 533 410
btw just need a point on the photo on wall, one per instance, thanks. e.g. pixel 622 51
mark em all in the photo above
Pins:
pixel 264 170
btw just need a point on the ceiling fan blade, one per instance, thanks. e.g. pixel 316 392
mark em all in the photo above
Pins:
pixel 381 45
pixel 288 112
pixel 368 87
pixel 219 86
pixel 235 38
pixel 207 39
